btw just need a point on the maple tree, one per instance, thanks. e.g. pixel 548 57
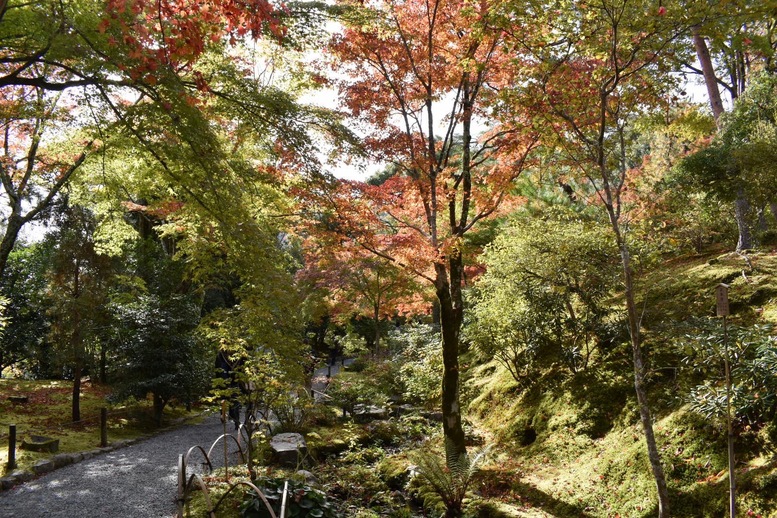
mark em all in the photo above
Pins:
pixel 416 74
pixel 355 283
pixel 587 78
pixel 78 70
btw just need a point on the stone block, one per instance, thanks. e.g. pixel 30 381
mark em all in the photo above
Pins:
pixel 22 476
pixel 40 443
pixel 62 460
pixel 367 413
pixel 43 466
pixel 76 457
pixel 288 449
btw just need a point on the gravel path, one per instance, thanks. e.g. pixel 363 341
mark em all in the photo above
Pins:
pixel 138 481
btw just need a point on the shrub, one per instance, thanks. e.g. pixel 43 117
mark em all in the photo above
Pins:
pixel 350 389
pixel 421 362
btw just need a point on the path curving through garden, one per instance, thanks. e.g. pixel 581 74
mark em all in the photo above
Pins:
pixel 138 481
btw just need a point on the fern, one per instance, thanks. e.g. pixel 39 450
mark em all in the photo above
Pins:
pixel 448 480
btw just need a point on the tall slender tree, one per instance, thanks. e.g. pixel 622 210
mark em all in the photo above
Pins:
pixel 417 75
pixel 79 278
pixel 588 74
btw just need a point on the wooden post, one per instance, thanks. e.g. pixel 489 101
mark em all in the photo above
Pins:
pixel 103 427
pixel 11 447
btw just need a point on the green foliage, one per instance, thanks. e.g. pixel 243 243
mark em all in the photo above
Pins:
pixel 302 500
pixel 676 215
pixel 544 297
pixel 25 342
pixel 753 358
pixel 386 376
pixel 350 343
pixel 420 359
pixel 156 346
pixel 348 390
pixel 395 471
pixel 740 160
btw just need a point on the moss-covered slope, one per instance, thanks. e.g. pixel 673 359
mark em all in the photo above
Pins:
pixel 571 444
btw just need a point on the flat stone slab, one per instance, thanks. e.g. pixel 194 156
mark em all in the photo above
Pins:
pixel 40 443
pixel 288 449
pixel 18 399
pixel 367 413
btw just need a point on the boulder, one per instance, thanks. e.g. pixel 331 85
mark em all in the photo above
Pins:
pixel 288 449
pixel 366 413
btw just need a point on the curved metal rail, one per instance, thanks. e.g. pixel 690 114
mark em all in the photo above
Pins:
pixel 195 482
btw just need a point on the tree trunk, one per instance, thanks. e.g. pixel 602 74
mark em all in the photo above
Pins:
pixel 710 80
pixel 450 324
pixel 741 212
pixel 103 363
pixel 76 342
pixel 159 406
pixel 376 316
pixel 13 226
pixel 741 205
pixel 639 375
pixel 76 407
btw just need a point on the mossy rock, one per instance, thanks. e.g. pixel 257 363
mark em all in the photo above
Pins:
pixel 322 449
pixel 394 471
